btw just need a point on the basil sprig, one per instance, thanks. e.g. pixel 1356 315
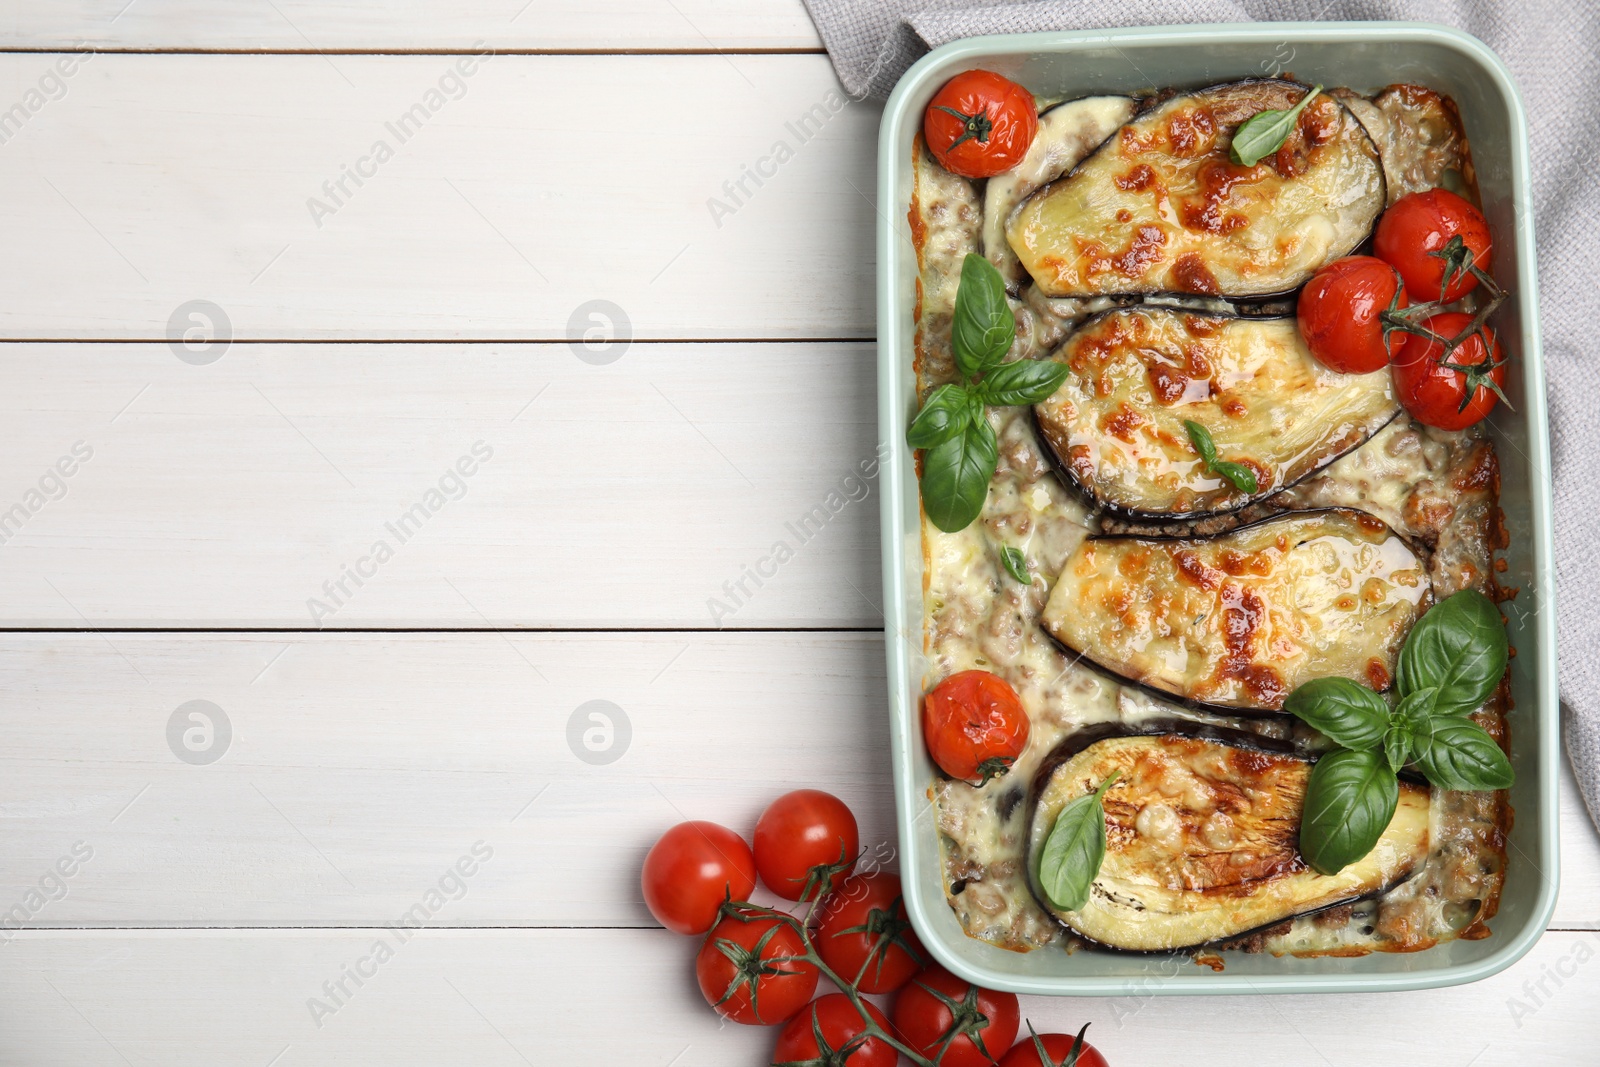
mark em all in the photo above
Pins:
pixel 960 451
pixel 1242 477
pixel 1076 847
pixel 1264 132
pixel 1451 663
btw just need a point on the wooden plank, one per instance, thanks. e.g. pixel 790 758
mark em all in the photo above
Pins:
pixel 627 996
pixel 630 494
pixel 361 766
pixel 392 197
pixel 410 25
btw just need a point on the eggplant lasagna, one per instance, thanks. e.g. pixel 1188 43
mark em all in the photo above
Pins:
pixel 1170 611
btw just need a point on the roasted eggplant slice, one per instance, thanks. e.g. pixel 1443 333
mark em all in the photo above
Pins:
pixel 1116 426
pixel 1160 207
pixel 1237 621
pixel 1067 132
pixel 1202 840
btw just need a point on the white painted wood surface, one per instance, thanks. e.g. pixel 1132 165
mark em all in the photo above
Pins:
pixel 627 494
pixel 512 196
pixel 410 25
pixel 620 495
pixel 361 766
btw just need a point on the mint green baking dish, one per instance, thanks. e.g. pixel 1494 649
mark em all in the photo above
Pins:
pixel 1364 55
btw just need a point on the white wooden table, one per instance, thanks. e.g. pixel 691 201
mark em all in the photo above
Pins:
pixel 163 152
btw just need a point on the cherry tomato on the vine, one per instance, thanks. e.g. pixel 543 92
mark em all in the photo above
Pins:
pixel 691 870
pixel 1419 225
pixel 973 1025
pixel 752 969
pixel 865 936
pixel 974 725
pixel 805 842
pixel 830 1031
pixel 1057 1052
pixel 980 124
pixel 1339 314
pixel 1431 388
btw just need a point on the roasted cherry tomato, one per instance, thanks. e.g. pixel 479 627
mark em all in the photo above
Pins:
pixel 752 969
pixel 1431 388
pixel 1057 1052
pixel 1339 311
pixel 938 1010
pixel 865 936
pixel 830 1031
pixel 1412 236
pixel 975 726
pixel 980 124
pixel 691 871
pixel 805 842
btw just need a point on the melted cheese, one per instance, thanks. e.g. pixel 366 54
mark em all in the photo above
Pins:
pixel 1161 207
pixel 1202 842
pixel 1117 424
pixel 1241 619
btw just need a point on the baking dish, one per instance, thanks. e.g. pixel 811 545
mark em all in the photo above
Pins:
pixel 1366 56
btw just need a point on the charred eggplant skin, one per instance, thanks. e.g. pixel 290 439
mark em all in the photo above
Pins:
pixel 1243 669
pixel 1407 833
pixel 1160 208
pixel 1165 726
pixel 1139 373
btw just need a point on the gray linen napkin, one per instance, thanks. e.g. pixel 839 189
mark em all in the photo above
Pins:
pixel 1551 47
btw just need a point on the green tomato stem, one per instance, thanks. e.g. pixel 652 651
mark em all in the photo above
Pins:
pixel 745 910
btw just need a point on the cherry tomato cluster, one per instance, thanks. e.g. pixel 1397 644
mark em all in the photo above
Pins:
pixel 762 966
pixel 1362 313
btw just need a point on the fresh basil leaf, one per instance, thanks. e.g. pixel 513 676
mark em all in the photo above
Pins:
pixel 1458 647
pixel 1242 477
pixel 955 476
pixel 1016 564
pixel 944 414
pixel 1349 801
pixel 1074 850
pixel 1348 712
pixel 1264 133
pixel 1416 709
pixel 1200 437
pixel 1023 381
pixel 976 403
pixel 983 328
pixel 1397 746
pixel 1410 720
pixel 1459 754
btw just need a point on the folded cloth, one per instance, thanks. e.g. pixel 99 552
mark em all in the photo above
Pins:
pixel 1550 46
